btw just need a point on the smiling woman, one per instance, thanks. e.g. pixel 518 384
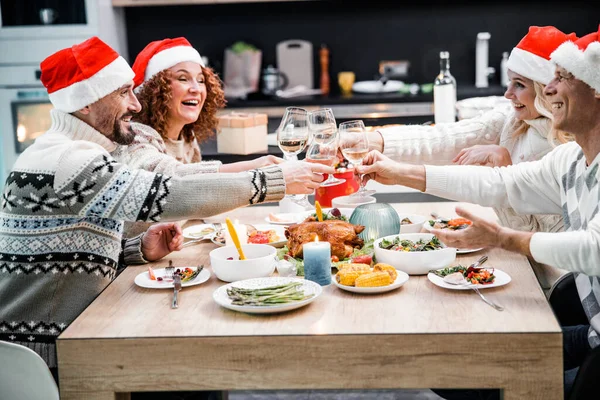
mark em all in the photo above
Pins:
pixel 180 98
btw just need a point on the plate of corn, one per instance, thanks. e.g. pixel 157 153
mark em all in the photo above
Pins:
pixel 361 278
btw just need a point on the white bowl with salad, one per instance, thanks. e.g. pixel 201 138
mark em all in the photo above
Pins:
pixel 414 253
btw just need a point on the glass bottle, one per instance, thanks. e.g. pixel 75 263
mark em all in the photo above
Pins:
pixel 504 70
pixel 444 92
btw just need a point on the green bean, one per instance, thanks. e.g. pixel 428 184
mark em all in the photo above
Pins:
pixel 267 296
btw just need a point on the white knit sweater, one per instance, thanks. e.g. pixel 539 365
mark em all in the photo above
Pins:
pixel 439 144
pixel 560 183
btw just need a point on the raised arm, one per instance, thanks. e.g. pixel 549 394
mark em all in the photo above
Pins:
pixel 98 186
pixel 439 144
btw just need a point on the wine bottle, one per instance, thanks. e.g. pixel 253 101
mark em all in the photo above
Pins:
pixel 444 92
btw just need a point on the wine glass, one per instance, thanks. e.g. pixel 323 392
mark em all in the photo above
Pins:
pixel 322 124
pixel 324 152
pixel 354 144
pixel 292 136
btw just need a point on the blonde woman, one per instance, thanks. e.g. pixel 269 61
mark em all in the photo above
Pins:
pixel 506 135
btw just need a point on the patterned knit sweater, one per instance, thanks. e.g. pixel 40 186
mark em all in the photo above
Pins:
pixel 560 183
pixel 61 220
pixel 150 152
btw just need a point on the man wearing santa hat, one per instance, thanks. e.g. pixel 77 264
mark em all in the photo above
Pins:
pixel 566 181
pixel 65 201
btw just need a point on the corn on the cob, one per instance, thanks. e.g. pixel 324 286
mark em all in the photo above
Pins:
pixel 386 268
pixel 354 267
pixel 373 279
pixel 347 277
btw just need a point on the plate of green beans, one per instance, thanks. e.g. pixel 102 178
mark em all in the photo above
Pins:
pixel 267 295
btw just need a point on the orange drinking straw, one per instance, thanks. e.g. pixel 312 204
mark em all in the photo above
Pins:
pixel 234 237
pixel 319 211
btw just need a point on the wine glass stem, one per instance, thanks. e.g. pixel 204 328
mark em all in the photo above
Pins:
pixel 361 186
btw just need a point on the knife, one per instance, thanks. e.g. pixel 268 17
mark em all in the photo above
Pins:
pixel 176 289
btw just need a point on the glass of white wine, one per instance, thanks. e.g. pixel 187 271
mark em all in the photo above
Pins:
pixel 292 136
pixel 354 144
pixel 325 153
pixel 323 149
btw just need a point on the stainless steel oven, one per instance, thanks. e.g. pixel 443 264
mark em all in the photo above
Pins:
pixel 24 115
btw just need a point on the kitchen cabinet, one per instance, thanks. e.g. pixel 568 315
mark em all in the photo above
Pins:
pixel 134 3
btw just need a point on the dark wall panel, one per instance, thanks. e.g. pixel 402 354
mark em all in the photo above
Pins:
pixel 360 35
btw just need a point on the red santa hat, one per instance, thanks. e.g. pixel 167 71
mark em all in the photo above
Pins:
pixel 581 58
pixel 531 57
pixel 162 54
pixel 83 74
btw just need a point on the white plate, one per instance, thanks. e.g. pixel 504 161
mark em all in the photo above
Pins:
pixel 429 228
pixel 467 251
pixel 263 227
pixel 502 278
pixel 193 232
pixel 221 298
pixel 377 86
pixel 401 279
pixel 280 230
pixel 143 279
pixel 290 218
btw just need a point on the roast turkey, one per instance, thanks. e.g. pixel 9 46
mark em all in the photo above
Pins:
pixel 342 235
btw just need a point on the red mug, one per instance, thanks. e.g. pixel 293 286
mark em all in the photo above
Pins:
pixel 324 195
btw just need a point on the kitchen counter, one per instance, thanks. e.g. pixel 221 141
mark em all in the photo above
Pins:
pixel 260 100
pixel 372 108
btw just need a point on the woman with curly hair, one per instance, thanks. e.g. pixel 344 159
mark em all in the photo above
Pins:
pixel 180 98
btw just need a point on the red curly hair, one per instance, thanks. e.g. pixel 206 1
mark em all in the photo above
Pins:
pixel 155 96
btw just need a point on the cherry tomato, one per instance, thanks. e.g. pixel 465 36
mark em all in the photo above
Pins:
pixel 365 259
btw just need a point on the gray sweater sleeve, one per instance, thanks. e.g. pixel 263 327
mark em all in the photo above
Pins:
pixel 92 183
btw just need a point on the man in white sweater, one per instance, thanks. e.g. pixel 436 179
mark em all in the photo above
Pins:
pixel 566 181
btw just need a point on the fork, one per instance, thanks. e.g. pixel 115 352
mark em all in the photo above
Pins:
pixel 217 226
pixel 476 264
pixel 169 270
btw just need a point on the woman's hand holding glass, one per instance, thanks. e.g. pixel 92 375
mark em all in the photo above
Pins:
pixel 323 149
pixel 354 145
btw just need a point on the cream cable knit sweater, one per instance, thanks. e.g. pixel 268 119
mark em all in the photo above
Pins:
pixel 150 152
pixel 439 144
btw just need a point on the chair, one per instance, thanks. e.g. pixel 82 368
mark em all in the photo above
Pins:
pixel 565 302
pixel 24 374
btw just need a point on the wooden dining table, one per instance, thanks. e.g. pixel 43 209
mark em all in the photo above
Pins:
pixel 417 336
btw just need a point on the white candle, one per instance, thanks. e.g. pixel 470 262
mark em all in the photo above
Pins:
pixel 241 231
pixel 317 262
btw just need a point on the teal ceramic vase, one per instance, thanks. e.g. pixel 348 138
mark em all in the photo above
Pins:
pixel 379 220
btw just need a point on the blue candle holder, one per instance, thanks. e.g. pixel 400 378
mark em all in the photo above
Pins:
pixel 317 262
